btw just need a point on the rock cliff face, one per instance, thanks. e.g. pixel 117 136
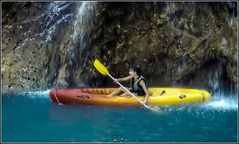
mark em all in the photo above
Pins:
pixel 52 45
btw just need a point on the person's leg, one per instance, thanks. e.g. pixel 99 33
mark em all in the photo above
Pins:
pixel 116 92
pixel 126 94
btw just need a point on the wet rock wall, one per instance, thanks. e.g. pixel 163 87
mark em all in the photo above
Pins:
pixel 184 44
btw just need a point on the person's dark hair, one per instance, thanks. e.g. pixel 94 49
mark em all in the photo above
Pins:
pixel 137 69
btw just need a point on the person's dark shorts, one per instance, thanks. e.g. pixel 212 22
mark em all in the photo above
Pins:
pixel 138 93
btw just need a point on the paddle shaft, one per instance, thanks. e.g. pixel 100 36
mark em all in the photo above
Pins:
pixel 129 92
pixel 103 70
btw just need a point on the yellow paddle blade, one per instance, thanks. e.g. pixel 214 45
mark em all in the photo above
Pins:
pixel 100 67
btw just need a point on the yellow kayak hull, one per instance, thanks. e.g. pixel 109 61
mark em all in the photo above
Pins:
pixel 158 97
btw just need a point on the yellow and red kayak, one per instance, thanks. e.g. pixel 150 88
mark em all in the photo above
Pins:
pixel 158 97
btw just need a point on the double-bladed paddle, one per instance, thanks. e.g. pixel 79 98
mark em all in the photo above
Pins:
pixel 104 71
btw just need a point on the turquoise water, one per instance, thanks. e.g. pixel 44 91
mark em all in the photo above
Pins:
pixel 32 117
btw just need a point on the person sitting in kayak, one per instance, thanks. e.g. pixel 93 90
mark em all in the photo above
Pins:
pixel 137 82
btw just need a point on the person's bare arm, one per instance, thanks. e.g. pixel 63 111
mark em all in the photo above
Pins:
pixel 125 78
pixel 142 83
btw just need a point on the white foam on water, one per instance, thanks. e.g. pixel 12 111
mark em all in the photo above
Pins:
pixel 36 94
pixel 222 103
